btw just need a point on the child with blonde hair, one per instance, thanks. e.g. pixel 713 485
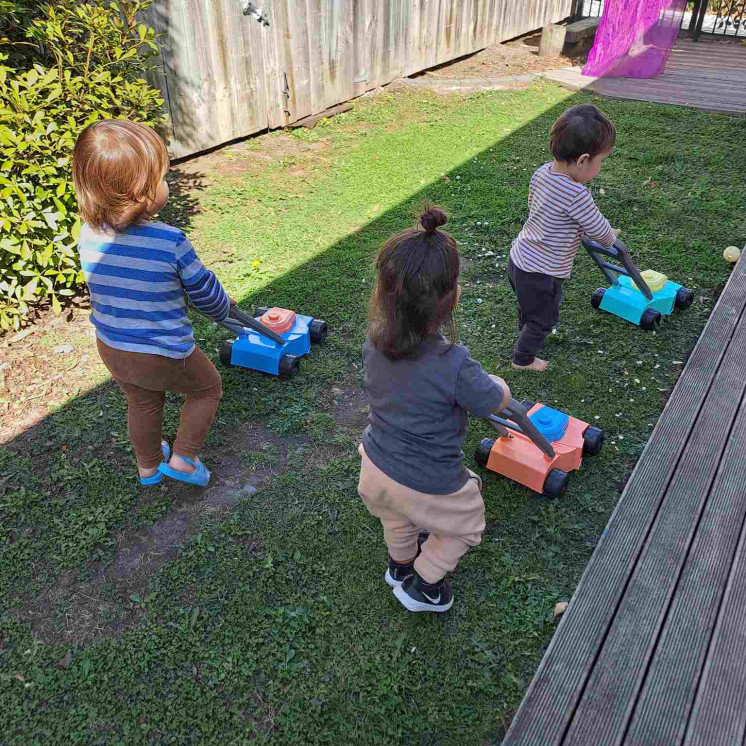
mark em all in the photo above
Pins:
pixel 140 273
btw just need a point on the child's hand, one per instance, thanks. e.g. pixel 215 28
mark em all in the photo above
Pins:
pixel 505 389
pixel 617 231
pixel 233 302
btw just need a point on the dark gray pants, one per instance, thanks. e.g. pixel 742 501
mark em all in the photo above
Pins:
pixel 539 297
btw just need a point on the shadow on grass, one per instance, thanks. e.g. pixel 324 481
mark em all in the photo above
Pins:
pixel 328 286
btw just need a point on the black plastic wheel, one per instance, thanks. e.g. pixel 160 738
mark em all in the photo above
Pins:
pixel 650 319
pixel 528 405
pixel 318 330
pixel 289 366
pixel 483 452
pixel 556 483
pixel 684 298
pixel 593 441
pixel 597 297
pixel 226 351
pixel 260 311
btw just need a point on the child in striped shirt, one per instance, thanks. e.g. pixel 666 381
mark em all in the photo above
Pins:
pixel 561 212
pixel 140 273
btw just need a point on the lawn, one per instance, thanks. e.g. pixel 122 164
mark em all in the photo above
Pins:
pixel 171 615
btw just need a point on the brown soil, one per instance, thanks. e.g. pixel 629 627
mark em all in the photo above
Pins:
pixel 519 57
pixel 112 601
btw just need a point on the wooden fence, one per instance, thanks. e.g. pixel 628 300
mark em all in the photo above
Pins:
pixel 225 75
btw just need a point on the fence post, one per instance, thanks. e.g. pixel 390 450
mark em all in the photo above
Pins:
pixel 577 10
pixel 698 16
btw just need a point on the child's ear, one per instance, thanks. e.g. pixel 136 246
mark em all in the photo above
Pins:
pixel 456 296
pixel 583 159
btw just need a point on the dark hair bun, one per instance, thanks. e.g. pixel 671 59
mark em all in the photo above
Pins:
pixel 432 219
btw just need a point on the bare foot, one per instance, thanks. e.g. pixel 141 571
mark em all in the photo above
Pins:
pixel 178 464
pixel 145 473
pixel 538 365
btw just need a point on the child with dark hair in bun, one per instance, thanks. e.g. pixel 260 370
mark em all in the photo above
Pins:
pixel 421 387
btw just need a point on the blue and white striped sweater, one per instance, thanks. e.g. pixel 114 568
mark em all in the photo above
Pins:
pixel 139 281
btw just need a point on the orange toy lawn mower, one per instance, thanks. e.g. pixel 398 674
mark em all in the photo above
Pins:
pixel 538 446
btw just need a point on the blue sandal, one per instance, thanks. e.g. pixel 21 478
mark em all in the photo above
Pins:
pixel 157 477
pixel 200 477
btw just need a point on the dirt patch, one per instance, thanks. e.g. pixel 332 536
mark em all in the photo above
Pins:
pixel 45 366
pixel 519 57
pixel 110 602
pixel 252 156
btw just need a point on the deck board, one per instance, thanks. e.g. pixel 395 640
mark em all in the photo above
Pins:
pixel 642 554
pixel 619 672
pixel 662 711
pixel 707 75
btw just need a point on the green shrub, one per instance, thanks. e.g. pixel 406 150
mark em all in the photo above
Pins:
pixel 62 67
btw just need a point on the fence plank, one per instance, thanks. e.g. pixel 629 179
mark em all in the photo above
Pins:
pixel 225 75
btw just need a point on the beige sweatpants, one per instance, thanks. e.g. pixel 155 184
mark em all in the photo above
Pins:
pixel 455 521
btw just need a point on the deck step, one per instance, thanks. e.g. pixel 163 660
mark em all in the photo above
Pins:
pixel 581 31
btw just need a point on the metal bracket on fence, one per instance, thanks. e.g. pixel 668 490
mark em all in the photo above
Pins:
pixel 250 9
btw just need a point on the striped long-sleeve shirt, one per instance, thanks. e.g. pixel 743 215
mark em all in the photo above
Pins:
pixel 560 212
pixel 139 281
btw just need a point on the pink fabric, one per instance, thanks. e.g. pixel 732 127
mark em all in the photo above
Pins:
pixel 634 38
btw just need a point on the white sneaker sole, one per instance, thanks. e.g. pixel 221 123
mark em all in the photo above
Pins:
pixel 390 580
pixel 411 604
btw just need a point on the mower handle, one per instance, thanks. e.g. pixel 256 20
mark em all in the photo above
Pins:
pixel 238 321
pixel 618 251
pixel 515 417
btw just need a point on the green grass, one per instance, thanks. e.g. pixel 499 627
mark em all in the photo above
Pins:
pixel 272 623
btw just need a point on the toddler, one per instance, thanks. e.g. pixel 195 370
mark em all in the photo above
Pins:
pixel 139 274
pixel 561 211
pixel 421 387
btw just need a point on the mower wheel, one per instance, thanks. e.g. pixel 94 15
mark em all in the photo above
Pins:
pixel 597 297
pixel 684 298
pixel 226 351
pixel 593 441
pixel 483 452
pixel 260 311
pixel 528 405
pixel 650 319
pixel 318 330
pixel 289 366
pixel 556 483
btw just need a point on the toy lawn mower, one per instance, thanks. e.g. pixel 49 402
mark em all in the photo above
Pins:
pixel 538 446
pixel 272 342
pixel 640 297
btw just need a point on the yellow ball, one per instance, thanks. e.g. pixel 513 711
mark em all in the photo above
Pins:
pixel 732 254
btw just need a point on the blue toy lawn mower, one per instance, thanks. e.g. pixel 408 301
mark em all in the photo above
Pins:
pixel 640 297
pixel 273 341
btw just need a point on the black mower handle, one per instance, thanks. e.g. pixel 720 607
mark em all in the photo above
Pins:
pixel 620 252
pixel 239 320
pixel 515 417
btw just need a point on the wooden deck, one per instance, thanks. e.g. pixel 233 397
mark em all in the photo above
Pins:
pixel 708 75
pixel 652 649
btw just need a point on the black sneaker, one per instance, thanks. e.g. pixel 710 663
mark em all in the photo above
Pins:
pixel 398 572
pixel 417 595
